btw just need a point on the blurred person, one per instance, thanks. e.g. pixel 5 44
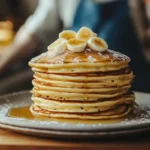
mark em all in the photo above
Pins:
pixel 37 27
pixel 140 15
pixel 116 24
pixel 109 18
pixel 42 27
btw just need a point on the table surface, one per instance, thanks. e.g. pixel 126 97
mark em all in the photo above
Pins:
pixel 14 141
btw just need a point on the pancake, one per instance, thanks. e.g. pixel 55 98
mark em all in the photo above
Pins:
pixel 80 106
pixel 89 77
pixel 75 96
pixel 70 62
pixel 104 81
pixel 48 87
pixel 117 112
pixel 79 83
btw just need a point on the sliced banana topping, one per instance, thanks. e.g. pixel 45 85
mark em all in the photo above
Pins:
pixel 77 42
pixel 57 47
pixel 76 45
pixel 67 34
pixel 97 44
pixel 85 33
pixel 94 34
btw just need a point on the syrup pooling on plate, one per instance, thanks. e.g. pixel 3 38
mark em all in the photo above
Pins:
pixel 24 113
pixel 139 113
pixel 21 112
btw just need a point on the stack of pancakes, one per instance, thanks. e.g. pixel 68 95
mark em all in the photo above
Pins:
pixel 85 85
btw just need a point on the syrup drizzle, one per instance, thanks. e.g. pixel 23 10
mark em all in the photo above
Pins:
pixel 24 113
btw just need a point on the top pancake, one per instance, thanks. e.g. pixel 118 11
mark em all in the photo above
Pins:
pixel 83 62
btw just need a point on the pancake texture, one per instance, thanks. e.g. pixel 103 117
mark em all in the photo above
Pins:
pixel 117 112
pixel 87 61
pixel 82 85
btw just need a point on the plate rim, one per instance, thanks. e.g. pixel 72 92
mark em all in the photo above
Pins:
pixel 8 120
pixel 72 135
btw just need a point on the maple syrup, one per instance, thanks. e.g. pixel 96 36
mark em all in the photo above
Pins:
pixel 24 113
pixel 87 56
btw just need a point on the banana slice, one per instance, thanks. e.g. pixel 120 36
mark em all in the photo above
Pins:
pixel 57 47
pixel 97 44
pixel 85 33
pixel 67 34
pixel 94 34
pixel 76 45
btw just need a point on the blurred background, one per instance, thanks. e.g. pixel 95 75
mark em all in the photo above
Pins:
pixel 27 27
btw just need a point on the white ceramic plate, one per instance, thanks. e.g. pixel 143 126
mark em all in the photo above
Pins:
pixel 21 99
pixel 77 134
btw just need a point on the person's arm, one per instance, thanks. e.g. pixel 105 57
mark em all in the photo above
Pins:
pixel 35 28
pixel 22 47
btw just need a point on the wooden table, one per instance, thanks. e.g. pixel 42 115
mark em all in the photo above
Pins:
pixel 15 141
